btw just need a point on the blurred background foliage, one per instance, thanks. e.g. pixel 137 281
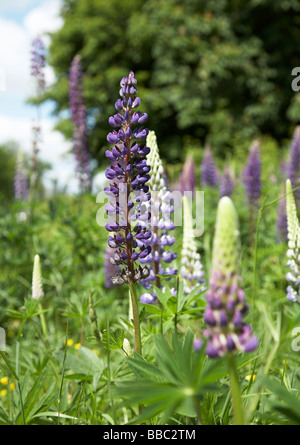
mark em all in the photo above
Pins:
pixel 216 71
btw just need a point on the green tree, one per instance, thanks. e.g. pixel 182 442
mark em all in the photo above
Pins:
pixel 8 153
pixel 206 69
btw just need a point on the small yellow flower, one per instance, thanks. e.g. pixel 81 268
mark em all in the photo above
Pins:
pixel 95 351
pixel 4 381
pixel 70 342
pixel 77 346
pixel 250 377
pixel 12 386
pixel 3 392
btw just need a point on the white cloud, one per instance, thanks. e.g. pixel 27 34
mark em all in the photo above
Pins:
pixel 43 19
pixel 14 57
pixel 16 5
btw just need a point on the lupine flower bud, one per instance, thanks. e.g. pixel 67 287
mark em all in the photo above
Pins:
pixel 20 180
pixel 225 298
pixel 252 174
pixel 191 268
pixel 128 193
pixel 37 286
pixel 160 239
pixel 78 115
pixel 293 253
pixel 226 183
pixel 293 168
pixel 208 168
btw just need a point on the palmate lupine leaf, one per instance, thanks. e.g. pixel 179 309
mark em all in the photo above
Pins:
pixel 172 386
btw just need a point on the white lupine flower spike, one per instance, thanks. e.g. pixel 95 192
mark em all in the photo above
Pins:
pixel 191 268
pixel 293 253
pixel 37 285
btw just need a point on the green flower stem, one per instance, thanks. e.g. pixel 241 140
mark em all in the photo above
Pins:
pixel 235 390
pixel 43 321
pixel 136 319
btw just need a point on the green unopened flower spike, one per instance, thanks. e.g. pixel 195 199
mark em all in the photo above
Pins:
pixel 225 298
pixel 293 253
pixel 191 268
pixel 37 284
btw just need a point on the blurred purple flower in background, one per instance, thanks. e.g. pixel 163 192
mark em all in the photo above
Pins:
pixel 208 169
pixel 38 63
pixel 226 183
pixel 20 180
pixel 252 175
pixel 293 168
pixel 188 176
pixel 78 115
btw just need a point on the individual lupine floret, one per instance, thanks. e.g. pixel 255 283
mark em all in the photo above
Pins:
pixel 226 183
pixel 37 284
pixel 161 209
pixel 128 193
pixel 293 253
pixel 20 179
pixel 225 298
pixel 110 269
pixel 209 173
pixel 191 268
pixel 78 115
pixel 293 168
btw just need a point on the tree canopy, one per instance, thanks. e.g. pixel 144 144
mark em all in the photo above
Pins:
pixel 206 69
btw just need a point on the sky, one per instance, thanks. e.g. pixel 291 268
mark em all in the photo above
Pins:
pixel 20 22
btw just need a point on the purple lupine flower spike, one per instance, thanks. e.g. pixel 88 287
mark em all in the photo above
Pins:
pixel 293 168
pixel 226 183
pixel 78 115
pixel 252 182
pixel 20 179
pixel 252 174
pixel 128 206
pixel 188 176
pixel 37 71
pixel 161 240
pixel 226 304
pixel 208 168
pixel 38 63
